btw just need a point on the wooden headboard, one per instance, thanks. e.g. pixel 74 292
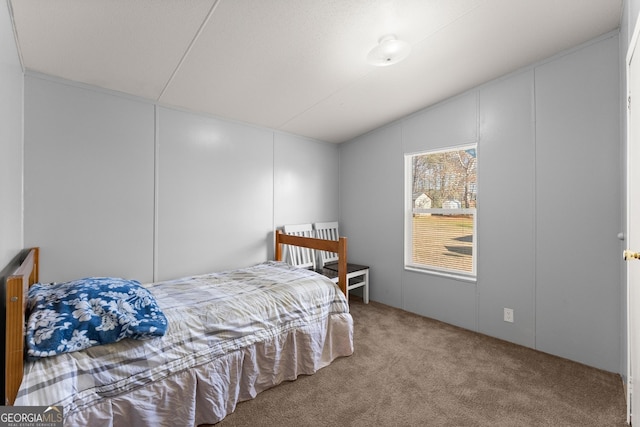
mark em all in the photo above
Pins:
pixel 338 246
pixel 15 291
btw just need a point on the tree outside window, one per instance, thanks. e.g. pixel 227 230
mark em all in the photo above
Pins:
pixel 442 213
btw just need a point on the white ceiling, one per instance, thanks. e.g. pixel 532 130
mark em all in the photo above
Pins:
pixel 298 65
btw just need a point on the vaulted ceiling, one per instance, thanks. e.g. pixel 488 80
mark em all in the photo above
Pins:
pixel 298 65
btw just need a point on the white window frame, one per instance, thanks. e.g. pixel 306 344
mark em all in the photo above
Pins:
pixel 408 221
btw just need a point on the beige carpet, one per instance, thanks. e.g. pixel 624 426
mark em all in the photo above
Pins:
pixel 408 370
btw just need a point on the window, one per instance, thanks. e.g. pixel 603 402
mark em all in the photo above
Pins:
pixel 441 194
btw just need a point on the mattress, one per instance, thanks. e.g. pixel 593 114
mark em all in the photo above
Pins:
pixel 231 335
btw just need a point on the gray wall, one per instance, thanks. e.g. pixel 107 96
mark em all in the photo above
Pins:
pixel 115 185
pixel 549 203
pixel 306 180
pixel 215 194
pixel 89 181
pixel 10 142
pixel 577 249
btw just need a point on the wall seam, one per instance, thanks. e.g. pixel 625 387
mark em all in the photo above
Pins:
pixel 403 303
pixel 534 239
pixel 156 172
pixel 479 149
pixel 273 191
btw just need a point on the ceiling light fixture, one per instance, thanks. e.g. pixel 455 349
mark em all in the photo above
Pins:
pixel 389 51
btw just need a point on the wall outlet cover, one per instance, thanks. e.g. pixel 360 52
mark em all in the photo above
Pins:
pixel 508 315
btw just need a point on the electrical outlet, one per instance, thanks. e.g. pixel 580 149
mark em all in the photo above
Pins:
pixel 508 315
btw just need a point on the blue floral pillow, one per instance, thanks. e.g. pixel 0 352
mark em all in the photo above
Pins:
pixel 71 316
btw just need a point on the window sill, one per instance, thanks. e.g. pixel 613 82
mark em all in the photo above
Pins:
pixel 454 276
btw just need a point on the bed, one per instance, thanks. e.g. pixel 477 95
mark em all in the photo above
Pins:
pixel 229 336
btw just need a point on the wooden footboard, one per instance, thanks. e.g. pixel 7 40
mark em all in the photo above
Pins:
pixel 16 288
pixel 337 246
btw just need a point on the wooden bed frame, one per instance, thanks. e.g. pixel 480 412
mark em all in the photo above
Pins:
pixel 17 285
pixel 338 246
pixel 16 289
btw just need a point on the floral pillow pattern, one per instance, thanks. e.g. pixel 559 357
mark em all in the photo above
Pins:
pixel 72 316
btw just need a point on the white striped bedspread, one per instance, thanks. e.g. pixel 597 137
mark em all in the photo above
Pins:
pixel 209 317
